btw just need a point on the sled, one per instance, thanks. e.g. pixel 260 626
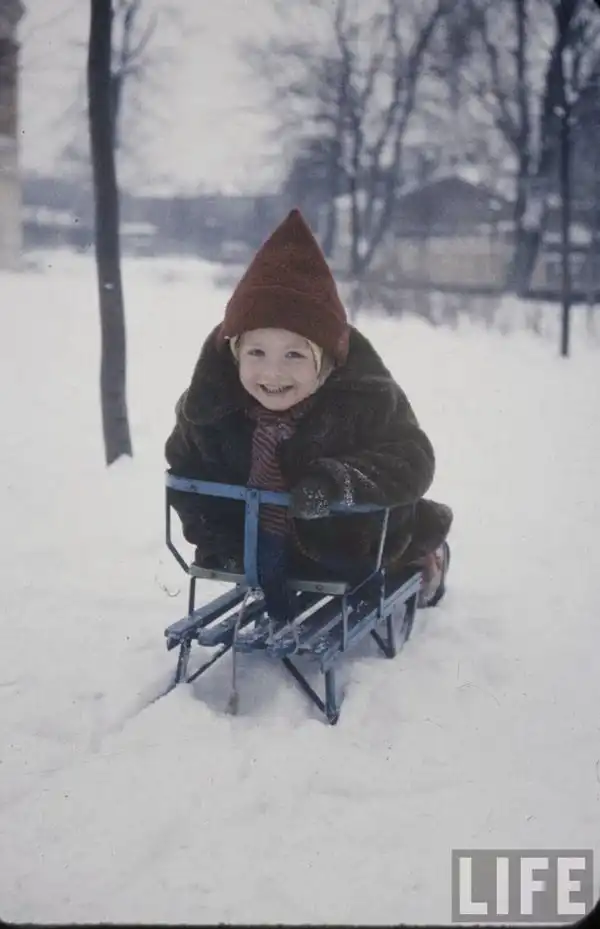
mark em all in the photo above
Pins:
pixel 332 614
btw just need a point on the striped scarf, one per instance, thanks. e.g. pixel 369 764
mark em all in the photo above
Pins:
pixel 265 474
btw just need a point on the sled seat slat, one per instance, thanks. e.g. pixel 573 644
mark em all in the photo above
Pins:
pixel 326 648
pixel 320 634
pixel 285 642
pixel 326 643
pixel 306 630
pixel 181 629
pixel 220 633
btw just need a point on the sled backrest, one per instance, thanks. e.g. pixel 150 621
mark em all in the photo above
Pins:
pixel 253 498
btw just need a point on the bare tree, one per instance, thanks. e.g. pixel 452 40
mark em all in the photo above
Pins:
pixel 117 439
pixel 492 63
pixel 359 91
pixel 511 89
pixel 128 53
pixel 542 179
pixel 143 42
pixel 513 72
pixel 313 182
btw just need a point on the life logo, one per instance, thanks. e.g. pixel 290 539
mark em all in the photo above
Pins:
pixel 533 886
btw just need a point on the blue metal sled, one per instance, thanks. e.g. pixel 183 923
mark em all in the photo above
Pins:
pixel 332 614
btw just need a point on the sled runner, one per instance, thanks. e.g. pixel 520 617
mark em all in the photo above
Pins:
pixel 332 614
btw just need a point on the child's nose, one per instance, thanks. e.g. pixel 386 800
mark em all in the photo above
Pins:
pixel 274 367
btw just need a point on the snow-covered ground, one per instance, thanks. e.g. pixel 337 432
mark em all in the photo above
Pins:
pixel 484 732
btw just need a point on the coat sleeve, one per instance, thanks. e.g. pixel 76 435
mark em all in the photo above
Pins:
pixel 206 521
pixel 393 465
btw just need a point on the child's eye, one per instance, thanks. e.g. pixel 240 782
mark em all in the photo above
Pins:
pixel 294 354
pixel 257 352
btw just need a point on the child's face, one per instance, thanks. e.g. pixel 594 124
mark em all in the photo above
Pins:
pixel 277 367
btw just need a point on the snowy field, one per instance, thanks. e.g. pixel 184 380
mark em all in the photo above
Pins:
pixel 484 732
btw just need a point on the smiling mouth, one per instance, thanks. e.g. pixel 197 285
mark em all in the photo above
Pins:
pixel 274 391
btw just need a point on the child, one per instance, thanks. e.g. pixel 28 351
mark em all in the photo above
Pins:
pixel 286 395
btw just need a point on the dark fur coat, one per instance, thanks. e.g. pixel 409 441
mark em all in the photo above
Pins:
pixel 359 432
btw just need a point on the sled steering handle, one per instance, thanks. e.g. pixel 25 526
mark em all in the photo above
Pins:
pixel 271 497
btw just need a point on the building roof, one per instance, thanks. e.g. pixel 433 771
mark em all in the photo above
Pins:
pixel 450 202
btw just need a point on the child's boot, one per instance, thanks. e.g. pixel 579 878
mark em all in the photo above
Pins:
pixel 435 568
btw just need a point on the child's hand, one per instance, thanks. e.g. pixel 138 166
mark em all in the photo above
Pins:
pixel 310 499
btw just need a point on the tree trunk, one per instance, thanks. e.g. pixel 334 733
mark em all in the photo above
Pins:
pixel 117 440
pixel 116 93
pixel 524 132
pixel 541 185
pixel 593 256
pixel 330 232
pixel 334 174
pixel 565 196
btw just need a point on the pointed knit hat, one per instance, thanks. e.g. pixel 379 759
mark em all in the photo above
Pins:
pixel 288 285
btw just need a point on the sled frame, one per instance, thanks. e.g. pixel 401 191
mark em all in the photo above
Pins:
pixel 218 623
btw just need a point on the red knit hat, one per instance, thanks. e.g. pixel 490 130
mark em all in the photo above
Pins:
pixel 288 285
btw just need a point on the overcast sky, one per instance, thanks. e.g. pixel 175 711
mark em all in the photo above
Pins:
pixel 210 129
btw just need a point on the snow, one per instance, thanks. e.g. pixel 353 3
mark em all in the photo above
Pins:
pixel 483 732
